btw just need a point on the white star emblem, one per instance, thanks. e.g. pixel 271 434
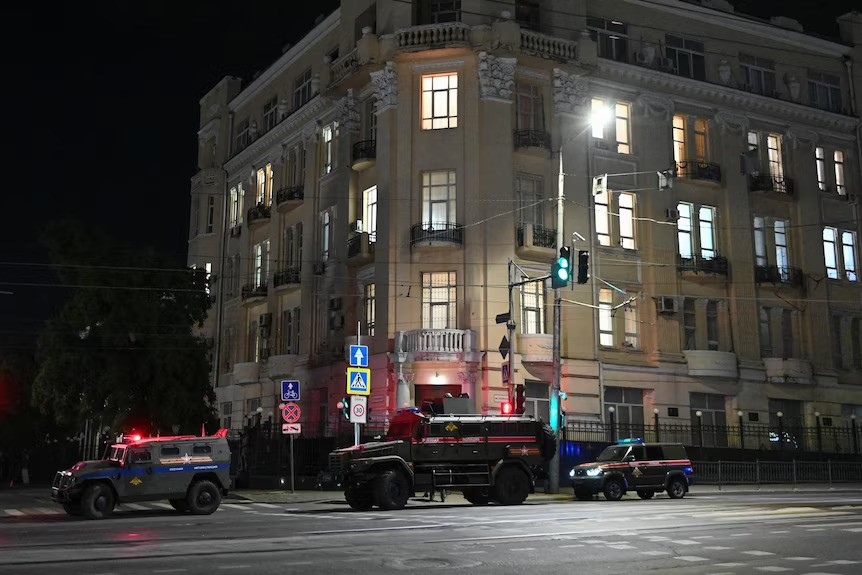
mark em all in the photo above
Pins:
pixel 187 459
pixel 525 451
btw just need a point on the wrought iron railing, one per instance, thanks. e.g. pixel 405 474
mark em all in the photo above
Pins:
pixel 769 183
pixel 287 276
pixel 365 150
pixel 531 139
pixel 779 275
pixel 716 265
pixel 290 194
pixel 431 232
pixel 258 212
pixel 354 246
pixel 251 290
pixel 699 170
pixel 542 237
pixel 236 231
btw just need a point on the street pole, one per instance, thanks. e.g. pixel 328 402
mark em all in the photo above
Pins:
pixel 358 342
pixel 292 474
pixel 555 385
pixel 510 327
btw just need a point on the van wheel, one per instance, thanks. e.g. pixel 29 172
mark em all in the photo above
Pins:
pixel 613 490
pixel 476 496
pixel 179 504
pixel 646 494
pixel 359 498
pixel 676 488
pixel 72 508
pixel 391 490
pixel 512 486
pixel 203 497
pixel 98 501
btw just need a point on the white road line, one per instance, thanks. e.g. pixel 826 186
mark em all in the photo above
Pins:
pixel 729 564
pixel 471 552
pixel 690 558
pixel 773 568
pixel 777 532
pixel 718 548
pixel 13 512
pixel 162 505
pixel 267 505
pixel 854 530
pixel 757 553
pixel 235 566
pixel 569 546
pixel 655 552
pixel 523 549
pixel 687 542
pixel 842 562
pixel 799 558
pixel 816 529
pixel 702 537
pixel 819 573
pixel 622 546
pixel 740 534
pixel 49 510
pixel 136 507
pixel 169 570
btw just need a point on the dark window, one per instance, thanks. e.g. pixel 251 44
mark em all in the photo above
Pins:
pixel 201 449
pixel 170 450
pixel 753 416
pixel 827 422
pixel 367 18
pixel 673 412
pixel 611 37
pixel 471 430
pixel 639 453
pixel 654 452
pixel 674 452
pixel 527 13
pixel 141 457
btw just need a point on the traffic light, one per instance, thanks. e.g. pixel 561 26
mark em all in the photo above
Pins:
pixel 600 185
pixel 560 271
pixel 520 408
pixel 506 408
pixel 583 266
pixel 665 179
pixel 344 406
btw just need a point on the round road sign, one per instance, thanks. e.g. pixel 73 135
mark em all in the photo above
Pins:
pixel 358 410
pixel 291 413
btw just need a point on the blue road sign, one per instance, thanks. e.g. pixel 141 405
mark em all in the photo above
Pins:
pixel 290 390
pixel 358 381
pixel 359 355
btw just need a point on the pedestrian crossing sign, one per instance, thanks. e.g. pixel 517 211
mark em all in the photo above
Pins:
pixel 358 381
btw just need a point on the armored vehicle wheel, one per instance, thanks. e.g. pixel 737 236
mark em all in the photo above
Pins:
pixel 512 486
pixel 477 495
pixel 583 496
pixel 72 508
pixel 203 497
pixel 391 490
pixel 613 490
pixel 98 501
pixel 646 494
pixel 179 504
pixel 359 498
pixel 676 488
pixel 549 442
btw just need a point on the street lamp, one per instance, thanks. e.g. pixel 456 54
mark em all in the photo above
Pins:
pixel 741 431
pixel 611 413
pixel 819 436
pixel 655 411
pixel 699 415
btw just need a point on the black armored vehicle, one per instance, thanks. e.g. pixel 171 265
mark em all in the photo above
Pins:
pixel 488 458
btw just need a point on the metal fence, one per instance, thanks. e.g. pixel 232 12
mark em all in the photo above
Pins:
pixel 821 439
pixel 776 472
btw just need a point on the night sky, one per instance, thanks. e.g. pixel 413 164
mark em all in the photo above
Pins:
pixel 103 117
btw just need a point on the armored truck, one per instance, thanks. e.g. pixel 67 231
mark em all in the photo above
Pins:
pixel 192 473
pixel 488 458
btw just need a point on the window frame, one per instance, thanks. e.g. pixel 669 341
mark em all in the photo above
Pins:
pixel 533 303
pixel 369 213
pixel 302 89
pixel 429 101
pixel 531 95
pixel 433 285
pixel 369 292
pixel 529 192
pixel 270 114
pixel 429 202
pixel 692 50
pixel 606 318
pixel 611 38
pixel 820 85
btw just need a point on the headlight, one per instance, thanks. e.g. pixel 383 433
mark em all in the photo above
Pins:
pixel 572 472
pixel 594 472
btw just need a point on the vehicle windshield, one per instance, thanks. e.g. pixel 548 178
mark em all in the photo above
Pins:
pixel 115 453
pixel 402 429
pixel 614 453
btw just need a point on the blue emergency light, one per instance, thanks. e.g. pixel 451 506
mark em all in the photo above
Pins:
pixel 631 440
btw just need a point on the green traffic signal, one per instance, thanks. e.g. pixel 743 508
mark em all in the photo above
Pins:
pixel 560 270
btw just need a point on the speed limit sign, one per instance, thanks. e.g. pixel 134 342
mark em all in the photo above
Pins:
pixel 358 408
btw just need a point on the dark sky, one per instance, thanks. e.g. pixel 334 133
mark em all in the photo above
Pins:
pixel 103 118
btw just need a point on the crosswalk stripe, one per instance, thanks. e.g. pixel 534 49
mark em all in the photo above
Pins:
pixel 162 505
pixel 233 506
pixel 267 505
pixel 14 512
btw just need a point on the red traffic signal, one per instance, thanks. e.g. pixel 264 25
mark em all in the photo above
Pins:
pixel 506 408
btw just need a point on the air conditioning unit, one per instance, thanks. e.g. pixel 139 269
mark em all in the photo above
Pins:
pixel 357 227
pixel 265 319
pixel 666 305
pixel 318 268
pixel 671 215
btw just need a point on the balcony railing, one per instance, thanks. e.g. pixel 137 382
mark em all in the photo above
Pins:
pixel 354 245
pixel 236 231
pixel 431 34
pixel 250 291
pixel 769 183
pixel 435 340
pixel 437 232
pixel 542 237
pixel 779 274
pixel 289 194
pixel 699 170
pixel 258 213
pixel 364 154
pixel 716 265
pixel 531 139
pixel 287 276
pixel 548 46
pixel 342 67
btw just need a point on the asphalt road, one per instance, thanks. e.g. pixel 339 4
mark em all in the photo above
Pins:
pixel 794 533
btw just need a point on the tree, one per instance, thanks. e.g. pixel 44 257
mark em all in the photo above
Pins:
pixel 123 349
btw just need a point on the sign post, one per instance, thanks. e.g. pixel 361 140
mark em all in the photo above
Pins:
pixel 358 382
pixel 291 413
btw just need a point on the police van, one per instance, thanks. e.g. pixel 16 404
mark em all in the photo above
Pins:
pixel 192 473
pixel 632 465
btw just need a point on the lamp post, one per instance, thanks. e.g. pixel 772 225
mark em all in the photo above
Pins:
pixel 655 423
pixel 855 433
pixel 741 430
pixel 699 415
pixel 780 416
pixel 613 429
pixel 819 436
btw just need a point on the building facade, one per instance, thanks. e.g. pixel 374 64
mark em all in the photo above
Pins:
pixel 373 184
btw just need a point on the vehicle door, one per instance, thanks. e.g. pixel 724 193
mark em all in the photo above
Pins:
pixel 472 446
pixel 654 468
pixel 139 479
pixel 635 470
pixel 171 469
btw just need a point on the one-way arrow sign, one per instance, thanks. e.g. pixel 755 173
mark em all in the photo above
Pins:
pixel 359 355
pixel 504 347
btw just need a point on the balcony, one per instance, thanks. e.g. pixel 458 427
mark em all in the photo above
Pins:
pixel 792 277
pixel 789 370
pixel 257 215
pixel 288 198
pixel 711 363
pixel 769 183
pixel 431 234
pixel 699 170
pixel 440 34
pixel 360 249
pixel 364 155
pixel 536 242
pixel 236 231
pixel 548 46
pixel 701 267
pixel 287 279
pixel 343 67
pixel 531 139
pixel 437 345
pixel 537 354
pixel 246 372
pixel 252 293
pixel 282 365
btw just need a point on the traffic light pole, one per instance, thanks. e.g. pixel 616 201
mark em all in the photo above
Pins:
pixel 554 471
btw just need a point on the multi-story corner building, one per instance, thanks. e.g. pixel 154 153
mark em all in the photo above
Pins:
pixel 375 181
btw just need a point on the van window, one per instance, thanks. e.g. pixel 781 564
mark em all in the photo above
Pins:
pixel 201 449
pixel 674 452
pixel 170 450
pixel 471 430
pixel 141 457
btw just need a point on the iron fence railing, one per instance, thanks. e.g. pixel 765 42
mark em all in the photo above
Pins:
pixel 775 472
pixel 251 290
pixel 445 232
pixel 365 150
pixel 531 139
pixel 290 194
pixel 699 170
pixel 716 265
pixel 779 274
pixel 287 276
pixel 258 212
pixel 542 237
pixel 770 183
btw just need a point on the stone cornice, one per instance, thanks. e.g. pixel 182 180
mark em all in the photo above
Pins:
pixel 210 128
pixel 723 96
pixel 281 132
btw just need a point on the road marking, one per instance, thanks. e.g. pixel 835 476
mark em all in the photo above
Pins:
pixel 854 530
pixel 687 542
pixel 656 538
pixel 162 505
pixel 777 532
pixel 235 566
pixel 702 537
pixel 569 546
pixel 233 506
pixel 472 552
pixel 718 548
pixel 14 512
pixel 842 562
pixel 137 507
pixel 622 546
pixel 655 552
pixel 691 558
pixel 816 529
pixel 729 564
pixel 740 534
pixel 773 568
pixel 169 570
pixel 800 558
pixel 757 553
pixel 523 549
pixel 267 505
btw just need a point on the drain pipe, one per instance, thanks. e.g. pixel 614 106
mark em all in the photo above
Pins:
pixel 222 250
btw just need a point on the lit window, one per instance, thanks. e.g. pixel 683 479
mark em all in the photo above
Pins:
pixel 327 148
pixel 622 128
pixel 848 252
pixel 830 252
pixel 370 308
pixel 264 185
pixel 773 150
pixel 820 161
pixel 840 187
pixel 598 117
pixel 696 237
pixel 782 258
pixel 533 307
pixel 438 300
pixel 630 312
pixel 606 319
pixel 603 225
pixel 627 221
pixel 208 268
pixel 369 213
pixel 707 232
pixel 679 138
pixel 700 138
pixel 438 199
pixel 235 206
pixel 440 101
pixel 684 228
pixel 261 263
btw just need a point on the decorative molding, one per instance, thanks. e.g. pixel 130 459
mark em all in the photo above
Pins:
pixel 723 96
pixel 347 110
pixel 385 84
pixel 800 135
pixel 571 92
pixel 728 121
pixel 310 132
pixel 439 65
pixel 531 74
pixel 654 106
pixel 496 77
